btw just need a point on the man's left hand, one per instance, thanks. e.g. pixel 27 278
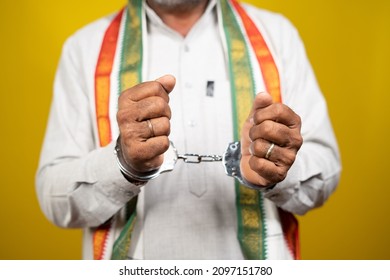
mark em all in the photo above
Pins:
pixel 270 140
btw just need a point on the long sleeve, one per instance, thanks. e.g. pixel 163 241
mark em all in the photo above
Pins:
pixel 316 171
pixel 78 184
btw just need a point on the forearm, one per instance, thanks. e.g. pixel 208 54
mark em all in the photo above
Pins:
pixel 84 191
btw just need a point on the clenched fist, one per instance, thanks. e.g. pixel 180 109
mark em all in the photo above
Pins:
pixel 270 140
pixel 144 123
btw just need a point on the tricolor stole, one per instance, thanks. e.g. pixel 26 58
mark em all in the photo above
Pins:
pixel 242 35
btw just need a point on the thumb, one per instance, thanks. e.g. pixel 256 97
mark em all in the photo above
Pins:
pixel 262 100
pixel 168 82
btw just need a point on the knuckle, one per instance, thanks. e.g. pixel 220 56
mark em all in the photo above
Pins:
pixel 295 140
pixel 257 117
pixel 262 181
pixel 125 115
pixel 161 107
pixel 289 158
pixel 265 182
pixel 292 158
pixel 278 109
pixel 121 116
pixel 154 163
pixel 267 127
pixel 298 119
pixel 154 86
pixel 257 147
pixel 253 132
pixel 167 126
pixel 123 97
pixel 299 140
pixel 165 143
pixel 280 174
pixel 168 111
pixel 256 164
pixel 160 103
pixel 128 130
pixel 289 142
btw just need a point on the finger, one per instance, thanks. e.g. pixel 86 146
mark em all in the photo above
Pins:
pixel 280 156
pixel 268 171
pixel 262 100
pixel 157 127
pixel 259 148
pixel 142 91
pixel 147 155
pixel 168 82
pixel 150 152
pixel 152 107
pixel 134 131
pixel 277 112
pixel 142 131
pixel 276 133
pixel 160 87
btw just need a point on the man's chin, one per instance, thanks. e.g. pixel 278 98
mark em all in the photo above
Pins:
pixel 176 3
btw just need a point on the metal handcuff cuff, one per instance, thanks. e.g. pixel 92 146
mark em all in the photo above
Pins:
pixel 230 160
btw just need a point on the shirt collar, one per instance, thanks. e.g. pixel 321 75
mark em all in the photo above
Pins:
pixel 154 19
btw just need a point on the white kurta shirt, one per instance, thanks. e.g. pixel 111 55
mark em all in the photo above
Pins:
pixel 189 213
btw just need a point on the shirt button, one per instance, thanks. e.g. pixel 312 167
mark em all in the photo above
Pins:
pixel 192 123
pixel 188 85
pixel 186 48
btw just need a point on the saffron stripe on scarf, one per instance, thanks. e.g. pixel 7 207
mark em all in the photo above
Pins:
pixel 102 95
pixel 102 79
pixel 264 57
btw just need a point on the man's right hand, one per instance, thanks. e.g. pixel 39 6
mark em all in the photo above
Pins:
pixel 144 123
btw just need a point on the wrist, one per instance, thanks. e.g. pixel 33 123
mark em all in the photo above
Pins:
pixel 133 176
pixel 231 162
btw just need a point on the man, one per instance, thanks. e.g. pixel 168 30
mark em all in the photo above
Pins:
pixel 165 78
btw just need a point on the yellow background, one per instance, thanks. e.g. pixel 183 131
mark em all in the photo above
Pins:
pixel 348 43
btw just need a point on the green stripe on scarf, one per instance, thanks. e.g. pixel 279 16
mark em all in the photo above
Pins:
pixel 249 203
pixel 130 74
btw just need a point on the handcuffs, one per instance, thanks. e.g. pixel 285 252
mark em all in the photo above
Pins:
pixel 230 159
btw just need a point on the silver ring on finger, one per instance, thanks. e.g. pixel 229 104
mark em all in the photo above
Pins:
pixel 269 151
pixel 151 129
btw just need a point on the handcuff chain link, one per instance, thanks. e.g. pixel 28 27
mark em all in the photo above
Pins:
pixel 196 158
